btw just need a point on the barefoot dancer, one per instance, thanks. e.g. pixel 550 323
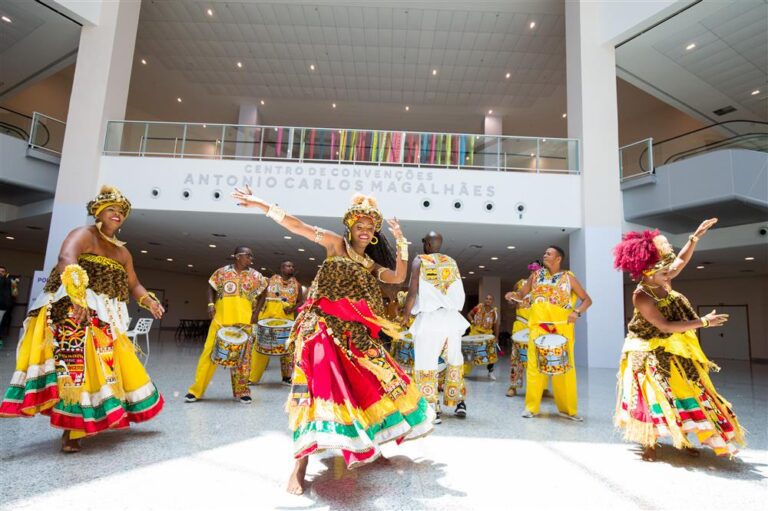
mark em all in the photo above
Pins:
pixel 347 391
pixel 74 362
pixel 664 387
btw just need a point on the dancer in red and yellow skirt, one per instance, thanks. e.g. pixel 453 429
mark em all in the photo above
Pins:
pixel 347 391
pixel 74 362
pixel 664 389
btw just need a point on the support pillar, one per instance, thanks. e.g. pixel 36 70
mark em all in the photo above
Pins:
pixel 99 94
pixel 593 118
pixel 248 138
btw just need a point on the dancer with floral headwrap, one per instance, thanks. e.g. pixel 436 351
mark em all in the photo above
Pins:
pixel 74 362
pixel 664 387
pixel 347 392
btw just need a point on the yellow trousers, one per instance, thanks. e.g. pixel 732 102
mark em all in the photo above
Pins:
pixel 206 369
pixel 563 385
pixel 273 309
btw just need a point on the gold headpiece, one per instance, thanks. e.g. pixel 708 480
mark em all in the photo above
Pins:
pixel 363 205
pixel 108 196
pixel 667 255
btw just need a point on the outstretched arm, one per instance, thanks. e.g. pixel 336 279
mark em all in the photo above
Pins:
pixel 517 296
pixel 140 293
pixel 396 276
pixel 332 242
pixel 687 251
pixel 645 306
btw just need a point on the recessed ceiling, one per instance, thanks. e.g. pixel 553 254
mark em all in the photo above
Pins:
pixel 711 55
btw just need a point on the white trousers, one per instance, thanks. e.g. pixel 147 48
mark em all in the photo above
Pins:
pixel 433 330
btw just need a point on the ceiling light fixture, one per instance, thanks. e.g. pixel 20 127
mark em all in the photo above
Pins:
pixel 301 250
pixel 261 102
pixel 7 19
pixel 311 67
pixel 434 72
pixel 311 258
pixel 490 112
pixel 407 108
pixel 750 258
pixel 690 46
pixel 756 92
pixel 700 267
pixel 263 269
pixel 240 65
pixel 190 266
pixel 511 247
pixel 169 259
pixel 333 105
pixel 565 115
pixel 10 238
pixel 178 100
pixel 533 154
pixel 508 75
pixel 144 61
pixel 481 266
pixel 286 237
pixel 209 12
pixel 494 258
pixel 212 245
pixel 143 251
pixel 205 125
pixel 471 273
pixel 532 25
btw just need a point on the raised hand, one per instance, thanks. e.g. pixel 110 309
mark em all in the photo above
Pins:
pixel 716 319
pixel 156 309
pixel 394 228
pixel 704 227
pixel 246 198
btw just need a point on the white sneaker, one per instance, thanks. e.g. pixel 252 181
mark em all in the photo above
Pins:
pixel 491 376
pixel 574 418
pixel 527 414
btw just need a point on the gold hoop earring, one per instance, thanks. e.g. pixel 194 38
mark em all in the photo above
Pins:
pixel 374 241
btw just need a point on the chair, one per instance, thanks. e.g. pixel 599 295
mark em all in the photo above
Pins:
pixel 143 325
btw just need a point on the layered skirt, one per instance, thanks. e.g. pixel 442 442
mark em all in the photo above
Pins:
pixel 86 379
pixel 664 390
pixel 348 393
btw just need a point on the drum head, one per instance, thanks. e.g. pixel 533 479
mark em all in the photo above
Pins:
pixel 550 340
pixel 521 336
pixel 232 334
pixel 477 338
pixel 275 323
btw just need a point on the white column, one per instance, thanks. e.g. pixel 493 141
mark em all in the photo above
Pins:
pixel 592 117
pixel 492 125
pixel 249 116
pixel 99 93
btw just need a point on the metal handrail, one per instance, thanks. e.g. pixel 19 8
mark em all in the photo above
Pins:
pixel 717 145
pixel 296 142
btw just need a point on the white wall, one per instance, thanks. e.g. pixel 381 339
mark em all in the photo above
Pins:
pixel 328 188
pixel 752 291
pixel 621 19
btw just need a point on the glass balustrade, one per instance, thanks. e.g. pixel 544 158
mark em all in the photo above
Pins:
pixel 47 133
pixel 350 146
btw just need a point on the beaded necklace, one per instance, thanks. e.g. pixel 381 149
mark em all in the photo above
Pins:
pixel 363 260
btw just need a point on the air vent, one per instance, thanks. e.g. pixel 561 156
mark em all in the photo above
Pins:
pixel 475 246
pixel 219 235
pixel 725 110
pixel 34 228
pixel 153 243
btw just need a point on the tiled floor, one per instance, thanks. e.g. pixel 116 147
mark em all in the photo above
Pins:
pixel 219 454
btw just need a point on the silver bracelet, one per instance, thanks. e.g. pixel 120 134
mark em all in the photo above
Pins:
pixel 319 234
pixel 276 213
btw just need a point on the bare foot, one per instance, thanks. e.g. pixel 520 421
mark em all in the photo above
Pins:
pixel 69 445
pixel 511 392
pixel 296 482
pixel 649 454
pixel 693 453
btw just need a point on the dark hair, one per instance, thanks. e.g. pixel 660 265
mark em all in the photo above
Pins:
pixel 381 252
pixel 558 250
pixel 239 249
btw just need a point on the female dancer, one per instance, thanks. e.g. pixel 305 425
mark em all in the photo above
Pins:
pixel 664 387
pixel 74 362
pixel 347 392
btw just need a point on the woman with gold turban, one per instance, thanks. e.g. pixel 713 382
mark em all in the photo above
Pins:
pixel 74 362
pixel 347 392
pixel 664 387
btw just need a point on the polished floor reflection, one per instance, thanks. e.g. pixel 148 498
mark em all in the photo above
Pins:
pixel 217 454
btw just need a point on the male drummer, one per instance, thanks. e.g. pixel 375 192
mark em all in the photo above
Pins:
pixel 553 296
pixel 436 297
pixel 284 295
pixel 484 320
pixel 233 295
